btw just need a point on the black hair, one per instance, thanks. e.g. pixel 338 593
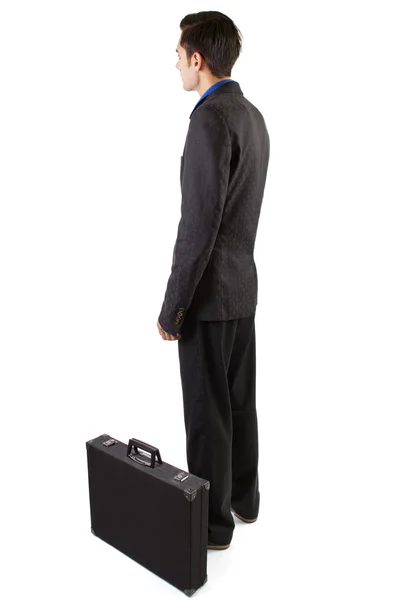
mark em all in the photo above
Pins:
pixel 213 35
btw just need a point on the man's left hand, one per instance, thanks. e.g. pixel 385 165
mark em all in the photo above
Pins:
pixel 167 336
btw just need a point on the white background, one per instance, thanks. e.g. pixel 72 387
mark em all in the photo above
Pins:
pixel 93 122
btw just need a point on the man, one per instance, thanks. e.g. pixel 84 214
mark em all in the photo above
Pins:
pixel 211 296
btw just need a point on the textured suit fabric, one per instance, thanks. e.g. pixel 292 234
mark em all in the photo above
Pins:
pixel 218 374
pixel 223 173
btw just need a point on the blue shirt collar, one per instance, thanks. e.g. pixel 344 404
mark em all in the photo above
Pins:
pixel 210 89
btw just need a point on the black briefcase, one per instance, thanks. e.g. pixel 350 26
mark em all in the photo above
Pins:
pixel 150 510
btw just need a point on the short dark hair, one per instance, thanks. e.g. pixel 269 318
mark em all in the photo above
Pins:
pixel 215 37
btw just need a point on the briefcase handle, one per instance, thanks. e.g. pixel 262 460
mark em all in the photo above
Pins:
pixel 135 444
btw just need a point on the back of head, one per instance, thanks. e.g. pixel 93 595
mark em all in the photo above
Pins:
pixel 215 37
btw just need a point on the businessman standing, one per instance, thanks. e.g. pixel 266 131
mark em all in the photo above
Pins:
pixel 211 296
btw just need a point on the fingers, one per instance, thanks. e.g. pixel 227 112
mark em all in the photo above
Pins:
pixel 162 332
pixel 167 336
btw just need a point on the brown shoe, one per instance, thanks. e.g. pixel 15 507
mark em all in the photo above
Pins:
pixel 216 547
pixel 243 519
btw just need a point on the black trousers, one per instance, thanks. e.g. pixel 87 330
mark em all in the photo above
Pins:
pixel 218 374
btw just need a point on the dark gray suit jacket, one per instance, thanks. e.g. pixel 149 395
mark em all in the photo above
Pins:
pixel 223 173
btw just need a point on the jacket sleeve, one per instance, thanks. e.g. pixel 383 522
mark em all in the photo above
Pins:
pixel 205 179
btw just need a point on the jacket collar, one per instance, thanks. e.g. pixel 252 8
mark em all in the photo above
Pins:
pixel 226 87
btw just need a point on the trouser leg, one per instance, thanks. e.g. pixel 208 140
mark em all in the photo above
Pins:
pixel 204 352
pixel 242 386
pixel 218 374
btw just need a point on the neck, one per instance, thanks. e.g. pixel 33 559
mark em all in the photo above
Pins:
pixel 208 82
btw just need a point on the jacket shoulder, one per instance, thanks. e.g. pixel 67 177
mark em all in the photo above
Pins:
pixel 208 112
pixel 208 121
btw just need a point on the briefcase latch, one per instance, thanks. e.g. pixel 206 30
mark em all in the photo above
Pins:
pixel 109 442
pixel 182 476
